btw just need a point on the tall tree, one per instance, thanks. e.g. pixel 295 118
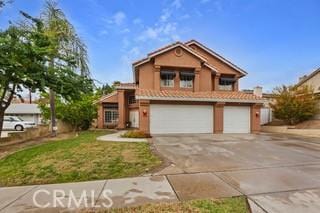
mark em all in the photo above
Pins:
pixel 24 57
pixel 65 41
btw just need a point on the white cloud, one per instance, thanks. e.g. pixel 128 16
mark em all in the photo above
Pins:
pixel 137 21
pixel 103 32
pixel 176 4
pixel 185 16
pixel 118 18
pixel 166 13
pixel 125 30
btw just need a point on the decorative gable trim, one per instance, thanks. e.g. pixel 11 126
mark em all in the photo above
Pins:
pixel 216 55
pixel 168 48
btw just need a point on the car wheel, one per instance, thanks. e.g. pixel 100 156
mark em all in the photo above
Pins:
pixel 18 128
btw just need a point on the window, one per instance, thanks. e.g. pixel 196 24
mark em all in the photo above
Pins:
pixel 226 83
pixel 167 78
pixel 111 116
pixel 132 99
pixel 186 79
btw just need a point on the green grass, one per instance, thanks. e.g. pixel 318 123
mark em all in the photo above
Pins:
pixel 77 159
pixel 227 205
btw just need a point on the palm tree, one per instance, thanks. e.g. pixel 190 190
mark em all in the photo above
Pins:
pixel 66 42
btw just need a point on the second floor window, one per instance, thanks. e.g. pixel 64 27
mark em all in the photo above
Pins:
pixel 167 78
pixel 226 83
pixel 186 79
pixel 132 99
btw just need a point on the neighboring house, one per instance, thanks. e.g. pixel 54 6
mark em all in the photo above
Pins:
pixel 312 80
pixel 27 112
pixel 266 115
pixel 182 88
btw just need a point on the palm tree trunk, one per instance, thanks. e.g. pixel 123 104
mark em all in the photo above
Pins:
pixel 53 113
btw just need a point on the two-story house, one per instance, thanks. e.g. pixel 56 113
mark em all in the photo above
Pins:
pixel 182 88
pixel 312 80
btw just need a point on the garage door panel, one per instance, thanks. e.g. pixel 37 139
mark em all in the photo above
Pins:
pixel 180 119
pixel 236 119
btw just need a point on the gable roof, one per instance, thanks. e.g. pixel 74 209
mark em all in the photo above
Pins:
pixel 213 53
pixel 167 48
pixel 309 76
pixel 106 97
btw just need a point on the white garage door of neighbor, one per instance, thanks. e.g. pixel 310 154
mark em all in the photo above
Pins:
pixel 180 119
pixel 236 119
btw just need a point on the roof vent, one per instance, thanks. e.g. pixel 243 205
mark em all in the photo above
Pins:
pixel 178 51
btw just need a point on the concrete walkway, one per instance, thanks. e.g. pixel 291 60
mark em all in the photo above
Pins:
pixel 116 137
pixel 135 191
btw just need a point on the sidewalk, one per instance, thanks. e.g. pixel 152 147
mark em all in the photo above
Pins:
pixel 116 137
pixel 118 192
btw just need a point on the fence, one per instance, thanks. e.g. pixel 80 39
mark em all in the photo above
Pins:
pixel 265 116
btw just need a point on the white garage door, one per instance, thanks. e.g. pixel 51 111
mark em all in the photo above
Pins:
pixel 236 119
pixel 180 119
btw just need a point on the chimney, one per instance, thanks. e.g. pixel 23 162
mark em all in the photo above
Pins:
pixel 257 91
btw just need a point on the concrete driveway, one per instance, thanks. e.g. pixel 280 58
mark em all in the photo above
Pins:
pixel 278 173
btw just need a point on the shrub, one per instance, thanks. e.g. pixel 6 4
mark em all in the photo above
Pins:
pixel 134 134
pixel 293 104
pixel 78 113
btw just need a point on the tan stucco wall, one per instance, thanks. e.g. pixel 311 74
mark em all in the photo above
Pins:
pixel 205 79
pixel 313 82
pixel 170 59
pixel 149 73
pixel 222 67
pixel 255 118
pixel 144 115
pixel 146 72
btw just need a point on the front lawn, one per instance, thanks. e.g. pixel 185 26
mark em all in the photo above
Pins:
pixel 77 159
pixel 227 205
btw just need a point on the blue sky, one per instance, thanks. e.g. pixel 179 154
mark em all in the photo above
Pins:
pixel 274 41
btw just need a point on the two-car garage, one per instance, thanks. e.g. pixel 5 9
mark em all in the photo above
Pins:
pixel 176 118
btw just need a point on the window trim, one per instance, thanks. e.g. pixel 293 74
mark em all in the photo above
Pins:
pixel 184 84
pixel 134 99
pixel 114 116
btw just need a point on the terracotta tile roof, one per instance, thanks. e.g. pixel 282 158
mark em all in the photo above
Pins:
pixel 224 96
pixel 105 97
pixel 126 86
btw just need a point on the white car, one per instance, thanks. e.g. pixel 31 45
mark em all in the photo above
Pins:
pixel 16 123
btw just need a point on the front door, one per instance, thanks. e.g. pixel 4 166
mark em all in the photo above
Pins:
pixel 134 118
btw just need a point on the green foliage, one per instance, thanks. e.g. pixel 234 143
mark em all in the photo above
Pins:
pixel 294 104
pixel 65 42
pixel 134 134
pixel 39 54
pixel 107 89
pixel 79 113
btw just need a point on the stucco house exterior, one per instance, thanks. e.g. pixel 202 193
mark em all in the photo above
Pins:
pixel 313 80
pixel 27 112
pixel 182 88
